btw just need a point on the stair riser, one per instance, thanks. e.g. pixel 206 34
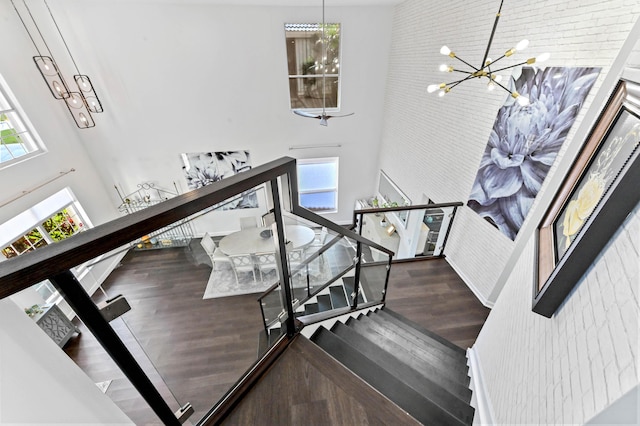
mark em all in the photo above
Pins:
pixel 419 407
pixel 437 394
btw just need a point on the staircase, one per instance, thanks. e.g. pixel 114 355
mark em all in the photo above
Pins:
pixel 418 370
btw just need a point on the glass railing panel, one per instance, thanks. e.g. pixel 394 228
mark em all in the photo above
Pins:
pixel 434 228
pixel 409 233
pixel 193 307
pixel 373 278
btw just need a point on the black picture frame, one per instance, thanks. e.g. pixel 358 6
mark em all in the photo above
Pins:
pixel 558 271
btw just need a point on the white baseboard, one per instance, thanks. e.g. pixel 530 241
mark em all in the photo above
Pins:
pixel 486 302
pixel 480 398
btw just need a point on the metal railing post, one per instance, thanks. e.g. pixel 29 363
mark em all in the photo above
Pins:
pixel 73 292
pixel 281 251
pixel 356 285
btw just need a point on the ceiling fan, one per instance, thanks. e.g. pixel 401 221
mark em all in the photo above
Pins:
pixel 324 117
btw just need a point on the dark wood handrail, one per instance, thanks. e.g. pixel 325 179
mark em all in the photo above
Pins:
pixel 23 271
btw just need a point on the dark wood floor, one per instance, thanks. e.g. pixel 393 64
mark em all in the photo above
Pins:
pixel 201 347
pixel 431 294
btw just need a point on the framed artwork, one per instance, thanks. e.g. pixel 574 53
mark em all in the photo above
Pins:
pixel 602 187
pixel 525 141
pixel 203 168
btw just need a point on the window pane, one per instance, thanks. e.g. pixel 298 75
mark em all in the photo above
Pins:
pixel 319 201
pixel 317 176
pixel 9 252
pixel 308 54
pixel 16 139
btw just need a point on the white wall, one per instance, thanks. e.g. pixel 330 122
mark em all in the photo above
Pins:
pixel 179 77
pixel 566 369
pixel 40 384
pixel 433 145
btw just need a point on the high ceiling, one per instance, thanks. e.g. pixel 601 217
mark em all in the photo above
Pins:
pixel 304 3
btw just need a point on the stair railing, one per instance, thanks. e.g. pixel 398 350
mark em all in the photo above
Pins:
pixel 54 262
pixel 426 225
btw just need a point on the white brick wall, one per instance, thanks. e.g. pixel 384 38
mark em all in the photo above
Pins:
pixel 562 370
pixel 566 369
pixel 433 146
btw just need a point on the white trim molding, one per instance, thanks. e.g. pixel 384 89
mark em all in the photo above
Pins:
pixel 486 302
pixel 480 398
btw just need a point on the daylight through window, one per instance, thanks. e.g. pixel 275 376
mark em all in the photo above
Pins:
pixel 308 58
pixel 318 184
pixel 16 139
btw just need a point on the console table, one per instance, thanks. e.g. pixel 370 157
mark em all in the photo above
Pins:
pixel 55 323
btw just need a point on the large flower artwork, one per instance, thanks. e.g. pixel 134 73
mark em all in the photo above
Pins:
pixel 525 141
pixel 203 168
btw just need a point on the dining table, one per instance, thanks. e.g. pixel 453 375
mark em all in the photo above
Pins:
pixel 259 240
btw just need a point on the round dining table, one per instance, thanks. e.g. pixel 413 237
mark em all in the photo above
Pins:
pixel 249 240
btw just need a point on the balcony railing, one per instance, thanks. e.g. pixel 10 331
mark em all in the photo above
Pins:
pixel 342 255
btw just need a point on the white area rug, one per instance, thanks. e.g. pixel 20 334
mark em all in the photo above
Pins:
pixel 222 283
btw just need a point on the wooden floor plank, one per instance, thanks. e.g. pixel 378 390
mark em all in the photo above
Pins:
pixel 201 347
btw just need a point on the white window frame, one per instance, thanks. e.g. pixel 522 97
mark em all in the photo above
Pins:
pixel 324 160
pixel 31 140
pixel 33 219
pixel 308 27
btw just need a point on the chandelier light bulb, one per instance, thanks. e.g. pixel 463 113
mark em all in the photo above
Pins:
pixel 543 57
pixel 522 100
pixel 491 86
pixel 498 78
pixel 445 50
pixel 432 88
pixel 441 93
pixel 444 67
pixel 522 44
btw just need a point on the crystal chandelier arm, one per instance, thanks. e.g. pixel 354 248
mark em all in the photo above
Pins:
pixel 493 31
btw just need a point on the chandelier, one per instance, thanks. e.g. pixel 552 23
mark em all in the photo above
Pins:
pixel 487 69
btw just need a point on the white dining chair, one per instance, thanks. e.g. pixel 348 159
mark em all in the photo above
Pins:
pixel 266 262
pixel 243 263
pixel 213 251
pixel 248 222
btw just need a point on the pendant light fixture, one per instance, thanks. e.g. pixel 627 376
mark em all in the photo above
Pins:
pixel 324 117
pixel 82 81
pixel 79 103
pixel 45 64
pixel 485 69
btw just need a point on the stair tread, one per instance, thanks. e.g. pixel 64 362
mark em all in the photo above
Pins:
pixel 455 369
pixel 311 308
pixel 422 409
pixel 436 392
pixel 411 333
pixel 324 302
pixel 455 385
pixel 338 297
pixel 407 322
pixel 350 286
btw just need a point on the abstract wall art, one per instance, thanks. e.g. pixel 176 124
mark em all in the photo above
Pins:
pixel 203 168
pixel 525 141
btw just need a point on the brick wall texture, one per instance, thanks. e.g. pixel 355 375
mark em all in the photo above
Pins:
pixel 432 146
pixel 537 370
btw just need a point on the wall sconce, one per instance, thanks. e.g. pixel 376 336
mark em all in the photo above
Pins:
pixel 390 230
